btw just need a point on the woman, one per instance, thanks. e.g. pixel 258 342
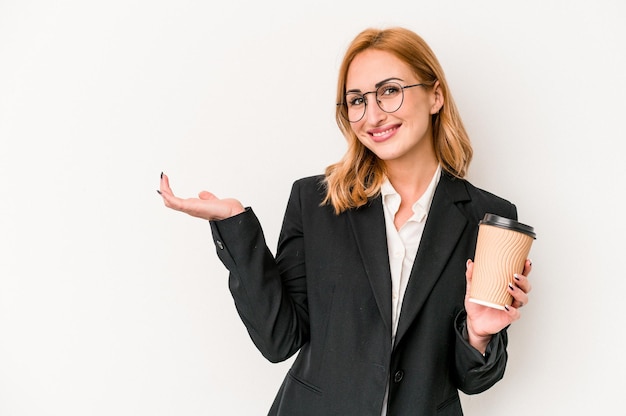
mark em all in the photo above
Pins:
pixel 367 282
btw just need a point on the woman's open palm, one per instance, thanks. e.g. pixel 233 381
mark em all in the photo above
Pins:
pixel 206 206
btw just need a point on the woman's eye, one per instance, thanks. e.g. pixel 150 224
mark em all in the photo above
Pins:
pixel 389 90
pixel 355 101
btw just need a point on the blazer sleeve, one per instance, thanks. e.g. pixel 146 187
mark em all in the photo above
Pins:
pixel 270 296
pixel 476 373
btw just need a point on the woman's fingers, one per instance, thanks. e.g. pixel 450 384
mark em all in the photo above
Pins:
pixel 206 195
pixel 521 287
pixel 520 297
pixel 512 312
pixel 164 184
pixel 469 270
pixel 528 266
pixel 170 200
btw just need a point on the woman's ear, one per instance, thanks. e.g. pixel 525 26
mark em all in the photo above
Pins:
pixel 437 99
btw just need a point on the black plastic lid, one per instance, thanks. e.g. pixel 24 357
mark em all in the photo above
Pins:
pixel 502 222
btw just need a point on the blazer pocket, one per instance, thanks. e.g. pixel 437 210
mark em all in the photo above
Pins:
pixel 450 407
pixel 298 381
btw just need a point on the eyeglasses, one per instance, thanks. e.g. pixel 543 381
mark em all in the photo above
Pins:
pixel 389 98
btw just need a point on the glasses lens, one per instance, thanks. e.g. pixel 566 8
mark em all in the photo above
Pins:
pixel 355 106
pixel 389 97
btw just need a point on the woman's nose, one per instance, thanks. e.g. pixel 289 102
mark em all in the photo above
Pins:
pixel 373 112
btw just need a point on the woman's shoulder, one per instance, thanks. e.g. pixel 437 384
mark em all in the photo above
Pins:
pixel 310 180
pixel 482 194
pixel 308 195
pixel 480 201
pixel 311 184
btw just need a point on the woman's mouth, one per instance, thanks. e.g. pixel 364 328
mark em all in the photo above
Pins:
pixel 380 135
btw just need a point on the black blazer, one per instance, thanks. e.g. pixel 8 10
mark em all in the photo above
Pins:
pixel 327 294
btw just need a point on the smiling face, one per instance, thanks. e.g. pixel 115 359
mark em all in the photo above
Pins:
pixel 403 136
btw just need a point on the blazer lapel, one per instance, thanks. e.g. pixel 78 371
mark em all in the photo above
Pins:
pixel 368 225
pixel 444 226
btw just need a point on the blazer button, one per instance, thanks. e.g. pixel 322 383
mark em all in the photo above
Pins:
pixel 398 376
pixel 219 244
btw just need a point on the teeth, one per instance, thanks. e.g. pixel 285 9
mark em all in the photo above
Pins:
pixel 382 133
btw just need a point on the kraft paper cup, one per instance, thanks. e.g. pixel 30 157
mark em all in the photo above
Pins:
pixel 502 248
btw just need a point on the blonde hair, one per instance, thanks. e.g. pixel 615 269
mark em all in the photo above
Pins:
pixel 358 176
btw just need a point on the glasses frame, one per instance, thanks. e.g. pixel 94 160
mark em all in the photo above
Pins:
pixel 344 113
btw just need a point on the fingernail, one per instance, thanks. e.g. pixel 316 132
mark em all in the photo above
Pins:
pixel 506 307
pixel 161 175
pixel 516 277
pixel 511 287
pixel 467 263
pixel 530 262
pixel 159 192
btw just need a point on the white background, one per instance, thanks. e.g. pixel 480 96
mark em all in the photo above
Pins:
pixel 110 304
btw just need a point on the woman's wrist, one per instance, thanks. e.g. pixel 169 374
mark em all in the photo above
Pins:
pixel 477 341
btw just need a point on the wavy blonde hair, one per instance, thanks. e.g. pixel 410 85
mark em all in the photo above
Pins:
pixel 358 176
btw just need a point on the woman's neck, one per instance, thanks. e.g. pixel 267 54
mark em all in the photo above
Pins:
pixel 411 181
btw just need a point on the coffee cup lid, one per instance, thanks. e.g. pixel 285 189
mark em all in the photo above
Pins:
pixel 502 222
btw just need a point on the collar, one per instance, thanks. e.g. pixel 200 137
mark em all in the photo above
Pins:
pixel 391 198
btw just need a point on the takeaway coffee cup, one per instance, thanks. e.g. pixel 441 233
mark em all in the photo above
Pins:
pixel 502 248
